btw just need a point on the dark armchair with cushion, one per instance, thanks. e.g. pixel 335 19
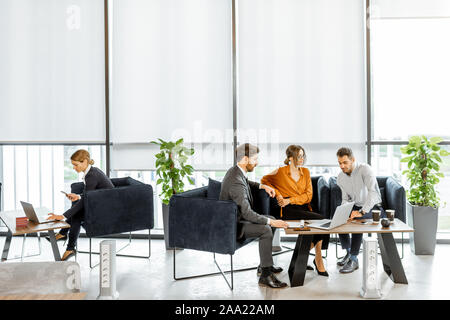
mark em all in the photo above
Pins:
pixel 198 220
pixel 125 208
pixel 392 195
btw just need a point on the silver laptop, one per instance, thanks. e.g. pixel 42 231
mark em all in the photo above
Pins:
pixel 39 217
pixel 340 217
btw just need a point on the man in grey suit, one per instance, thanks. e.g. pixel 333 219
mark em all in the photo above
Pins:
pixel 236 187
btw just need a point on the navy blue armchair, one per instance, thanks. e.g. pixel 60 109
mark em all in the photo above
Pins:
pixel 125 208
pixel 392 195
pixel 198 220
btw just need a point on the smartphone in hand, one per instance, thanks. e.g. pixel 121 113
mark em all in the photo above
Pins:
pixel 64 193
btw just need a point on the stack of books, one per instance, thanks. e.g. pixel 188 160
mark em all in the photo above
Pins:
pixel 21 222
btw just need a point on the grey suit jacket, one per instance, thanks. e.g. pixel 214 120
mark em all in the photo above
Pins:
pixel 235 187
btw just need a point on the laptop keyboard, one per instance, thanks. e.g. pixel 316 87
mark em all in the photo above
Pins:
pixel 326 225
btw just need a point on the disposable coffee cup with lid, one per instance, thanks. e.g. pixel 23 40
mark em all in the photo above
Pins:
pixel 376 215
pixel 390 214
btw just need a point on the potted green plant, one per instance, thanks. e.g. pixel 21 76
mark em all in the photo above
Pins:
pixel 171 169
pixel 423 156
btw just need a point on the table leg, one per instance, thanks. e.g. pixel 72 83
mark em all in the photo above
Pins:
pixel 392 263
pixel 6 246
pixel 54 245
pixel 23 247
pixel 299 261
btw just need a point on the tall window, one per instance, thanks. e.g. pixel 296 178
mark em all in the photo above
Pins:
pixel 52 71
pixel 301 77
pixel 410 77
pixel 37 174
pixel 171 78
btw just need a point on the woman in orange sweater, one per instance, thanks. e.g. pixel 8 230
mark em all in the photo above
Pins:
pixel 293 189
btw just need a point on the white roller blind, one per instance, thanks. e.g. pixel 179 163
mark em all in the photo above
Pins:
pixel 171 71
pixel 302 76
pixel 141 156
pixel 409 8
pixel 411 67
pixel 52 71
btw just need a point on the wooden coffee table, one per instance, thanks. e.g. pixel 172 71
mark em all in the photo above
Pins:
pixel 391 260
pixel 9 219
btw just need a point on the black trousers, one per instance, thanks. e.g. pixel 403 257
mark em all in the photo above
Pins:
pixel 264 233
pixel 74 230
pixel 301 212
pixel 354 244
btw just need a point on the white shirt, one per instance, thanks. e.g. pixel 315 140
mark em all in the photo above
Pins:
pixel 84 176
pixel 85 173
pixel 243 172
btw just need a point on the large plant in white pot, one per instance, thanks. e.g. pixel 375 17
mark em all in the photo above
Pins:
pixel 423 156
pixel 171 169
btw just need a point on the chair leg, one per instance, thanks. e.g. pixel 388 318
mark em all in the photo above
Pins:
pixel 338 242
pixel 230 285
pixel 149 244
pixel 136 256
pixel 120 255
pixel 90 253
pixel 223 274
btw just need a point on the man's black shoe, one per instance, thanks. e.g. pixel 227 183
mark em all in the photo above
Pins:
pixel 344 260
pixel 278 270
pixel 272 282
pixel 272 269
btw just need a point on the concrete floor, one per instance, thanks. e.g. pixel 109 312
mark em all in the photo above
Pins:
pixel 153 278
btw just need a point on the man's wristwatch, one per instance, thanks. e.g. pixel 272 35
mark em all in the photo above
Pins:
pixel 361 211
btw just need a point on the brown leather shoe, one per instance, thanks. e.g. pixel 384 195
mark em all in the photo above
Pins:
pixel 68 254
